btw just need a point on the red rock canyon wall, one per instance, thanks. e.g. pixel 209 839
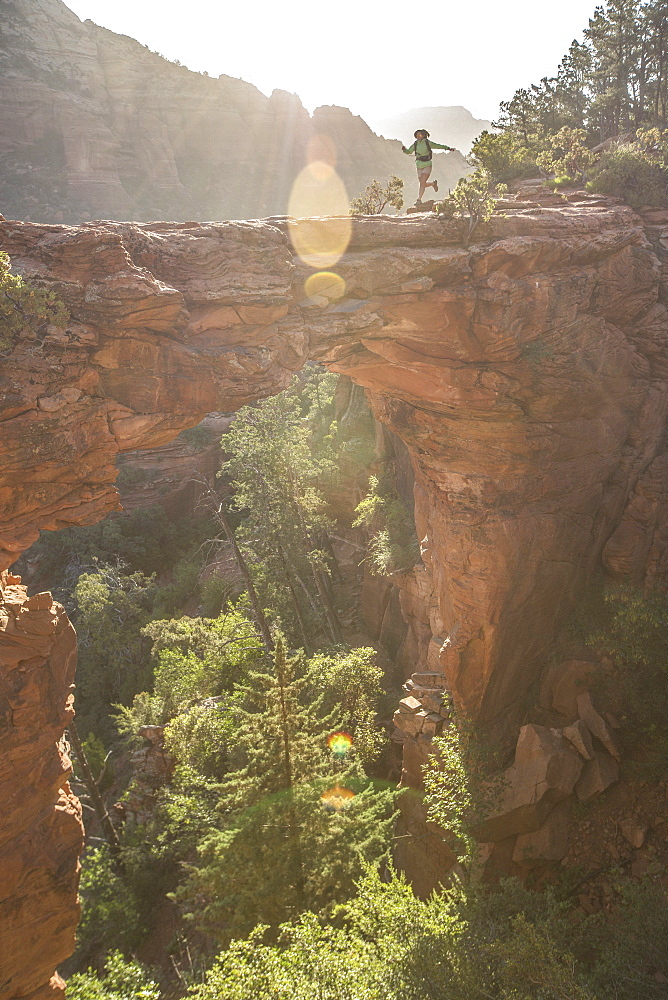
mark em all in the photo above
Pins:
pixel 525 374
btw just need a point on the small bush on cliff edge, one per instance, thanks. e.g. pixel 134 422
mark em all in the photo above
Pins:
pixel 24 309
pixel 474 199
pixel 375 197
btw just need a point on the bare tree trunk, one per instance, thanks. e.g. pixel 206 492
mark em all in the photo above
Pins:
pixel 330 610
pixel 215 505
pixel 295 600
pixel 258 611
pixel 314 607
pixel 106 825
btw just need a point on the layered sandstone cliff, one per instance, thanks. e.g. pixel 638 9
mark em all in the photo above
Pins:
pixel 94 125
pixel 41 833
pixel 525 374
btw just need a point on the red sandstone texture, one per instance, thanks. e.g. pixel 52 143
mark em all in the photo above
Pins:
pixel 526 375
pixel 41 833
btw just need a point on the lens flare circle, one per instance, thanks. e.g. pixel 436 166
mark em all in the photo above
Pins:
pixel 325 286
pixel 319 223
pixel 337 798
pixel 340 744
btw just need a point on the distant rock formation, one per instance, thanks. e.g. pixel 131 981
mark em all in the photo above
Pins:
pixel 94 125
pixel 453 125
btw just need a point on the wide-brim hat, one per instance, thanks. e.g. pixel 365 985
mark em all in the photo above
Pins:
pixel 417 132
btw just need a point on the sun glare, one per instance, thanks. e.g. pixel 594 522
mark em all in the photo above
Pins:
pixel 320 226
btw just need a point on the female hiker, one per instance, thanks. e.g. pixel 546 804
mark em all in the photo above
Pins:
pixel 422 148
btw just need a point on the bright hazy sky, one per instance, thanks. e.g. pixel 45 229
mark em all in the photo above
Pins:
pixel 359 53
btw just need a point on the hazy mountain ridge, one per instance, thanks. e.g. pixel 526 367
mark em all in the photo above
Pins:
pixel 454 126
pixel 95 125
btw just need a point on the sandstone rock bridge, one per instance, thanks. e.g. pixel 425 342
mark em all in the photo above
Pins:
pixel 527 375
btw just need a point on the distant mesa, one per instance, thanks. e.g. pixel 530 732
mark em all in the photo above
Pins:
pixel 454 126
pixel 93 125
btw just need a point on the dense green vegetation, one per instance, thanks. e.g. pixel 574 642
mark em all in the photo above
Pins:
pixel 256 819
pixel 611 86
pixel 461 944
pixel 474 199
pixel 264 843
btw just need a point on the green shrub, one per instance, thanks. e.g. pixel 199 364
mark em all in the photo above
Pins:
pixel 461 781
pixel 25 310
pixel 193 659
pixel 568 156
pixel 215 592
pixel 474 200
pixel 350 684
pixel 122 980
pixel 114 663
pixel 146 539
pixel 129 476
pixel 199 438
pixel 388 945
pixel 634 631
pixel 109 909
pixel 183 588
pixel 629 173
pixel 463 943
pixel 201 737
pixel 375 198
pixel 393 544
pixel 155 852
pixel 503 156
pixel 629 943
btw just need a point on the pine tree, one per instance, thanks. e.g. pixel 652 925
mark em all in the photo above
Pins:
pixel 278 470
pixel 281 848
pixel 612 84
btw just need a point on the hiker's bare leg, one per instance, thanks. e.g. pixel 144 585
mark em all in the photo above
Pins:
pixel 423 178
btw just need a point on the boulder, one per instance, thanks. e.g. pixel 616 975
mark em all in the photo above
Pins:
pixel 578 734
pixel 433 724
pixel 415 756
pixel 565 683
pixel 634 831
pixel 549 842
pixel 598 774
pixel 597 725
pixel 545 771
pixel 408 723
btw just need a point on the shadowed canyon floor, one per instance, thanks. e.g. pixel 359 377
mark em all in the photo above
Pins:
pixel 526 375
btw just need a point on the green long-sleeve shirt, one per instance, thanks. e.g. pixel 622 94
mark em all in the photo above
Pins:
pixel 420 148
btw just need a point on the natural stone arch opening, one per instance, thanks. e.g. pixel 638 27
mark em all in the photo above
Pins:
pixel 524 375
pixel 505 368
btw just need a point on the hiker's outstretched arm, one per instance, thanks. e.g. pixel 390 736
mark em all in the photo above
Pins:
pixel 439 145
pixel 409 149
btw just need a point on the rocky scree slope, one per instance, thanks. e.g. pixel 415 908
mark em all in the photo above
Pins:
pixel 525 374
